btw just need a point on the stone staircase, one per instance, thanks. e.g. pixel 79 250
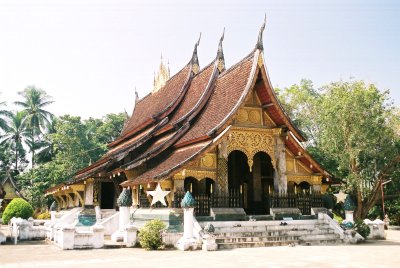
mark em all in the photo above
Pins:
pixel 247 234
pixel 106 213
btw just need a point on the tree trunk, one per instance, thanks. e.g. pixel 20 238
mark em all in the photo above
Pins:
pixel 16 158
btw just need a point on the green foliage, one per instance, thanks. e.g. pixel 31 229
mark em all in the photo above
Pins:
pixel 362 228
pixel 328 201
pixel 353 131
pixel 338 218
pixel 18 208
pixel 150 235
pixel 13 138
pixel 44 216
pixel 392 209
pixel 125 198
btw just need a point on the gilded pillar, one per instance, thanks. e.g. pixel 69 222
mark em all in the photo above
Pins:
pixel 280 179
pixel 222 175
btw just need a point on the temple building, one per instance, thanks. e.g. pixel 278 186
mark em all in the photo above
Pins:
pixel 219 132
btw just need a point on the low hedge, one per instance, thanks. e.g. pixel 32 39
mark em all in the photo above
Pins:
pixel 18 208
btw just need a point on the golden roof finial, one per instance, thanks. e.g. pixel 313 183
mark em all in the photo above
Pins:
pixel 195 60
pixel 220 54
pixel 259 44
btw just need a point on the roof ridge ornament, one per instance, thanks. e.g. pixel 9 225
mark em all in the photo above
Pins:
pixel 259 44
pixel 136 96
pixel 220 54
pixel 195 59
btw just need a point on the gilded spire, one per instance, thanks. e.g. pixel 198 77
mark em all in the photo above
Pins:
pixel 162 76
pixel 220 54
pixel 259 44
pixel 195 60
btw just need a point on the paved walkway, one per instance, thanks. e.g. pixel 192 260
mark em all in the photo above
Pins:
pixel 385 253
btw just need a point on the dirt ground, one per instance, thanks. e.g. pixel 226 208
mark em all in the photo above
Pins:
pixel 383 253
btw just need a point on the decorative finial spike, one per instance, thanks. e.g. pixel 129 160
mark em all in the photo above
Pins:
pixel 195 60
pixel 198 41
pixel 136 96
pixel 260 34
pixel 220 54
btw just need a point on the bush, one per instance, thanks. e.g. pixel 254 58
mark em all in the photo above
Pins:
pixel 362 228
pixel 150 235
pixel 337 218
pixel 44 216
pixel 18 208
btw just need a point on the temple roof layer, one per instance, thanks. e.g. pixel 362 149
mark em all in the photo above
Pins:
pixel 172 126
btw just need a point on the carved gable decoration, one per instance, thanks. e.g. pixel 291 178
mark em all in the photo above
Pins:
pixel 251 141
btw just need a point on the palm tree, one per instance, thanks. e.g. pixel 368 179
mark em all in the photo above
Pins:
pixel 44 148
pixel 35 100
pixel 16 133
pixel 3 113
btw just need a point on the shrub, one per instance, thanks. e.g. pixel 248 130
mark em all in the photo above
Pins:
pixel 362 228
pixel 337 218
pixel 44 216
pixel 18 208
pixel 150 235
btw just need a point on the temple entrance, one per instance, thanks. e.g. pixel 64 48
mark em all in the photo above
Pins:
pixel 263 182
pixel 255 185
pixel 107 195
pixel 196 187
pixel 239 177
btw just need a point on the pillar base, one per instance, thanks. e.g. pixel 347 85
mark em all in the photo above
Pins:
pixel 186 244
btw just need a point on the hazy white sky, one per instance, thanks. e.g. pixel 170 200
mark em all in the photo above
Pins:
pixel 90 55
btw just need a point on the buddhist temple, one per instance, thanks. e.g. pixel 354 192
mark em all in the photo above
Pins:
pixel 217 131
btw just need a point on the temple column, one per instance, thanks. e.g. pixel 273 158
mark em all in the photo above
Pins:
pixel 222 175
pixel 280 179
pixel 179 185
pixel 89 193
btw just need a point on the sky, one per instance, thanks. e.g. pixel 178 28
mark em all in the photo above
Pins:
pixel 91 55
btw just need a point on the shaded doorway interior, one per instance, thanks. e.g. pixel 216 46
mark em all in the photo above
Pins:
pixel 196 187
pixel 107 195
pixel 255 185
pixel 239 177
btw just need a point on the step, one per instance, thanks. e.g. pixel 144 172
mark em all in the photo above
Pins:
pixel 256 239
pixel 321 242
pixel 256 244
pixel 319 237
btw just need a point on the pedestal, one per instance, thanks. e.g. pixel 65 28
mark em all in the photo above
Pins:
pixel 66 239
pixel 188 241
pixel 98 236
pixel 123 221
pixel 349 215
pixel 130 236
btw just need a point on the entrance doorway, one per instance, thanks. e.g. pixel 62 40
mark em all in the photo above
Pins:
pixel 107 195
pixel 255 185
pixel 196 187
pixel 239 177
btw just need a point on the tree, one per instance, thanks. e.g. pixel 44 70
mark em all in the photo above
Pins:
pixel 353 135
pixel 3 115
pixel 15 135
pixel 70 144
pixel 35 100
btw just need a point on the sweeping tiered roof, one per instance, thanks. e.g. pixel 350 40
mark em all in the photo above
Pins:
pixel 183 119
